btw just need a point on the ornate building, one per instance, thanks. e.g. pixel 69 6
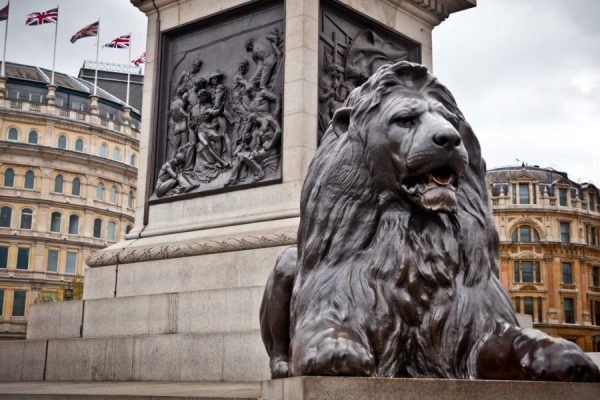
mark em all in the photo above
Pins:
pixel 67 184
pixel 549 229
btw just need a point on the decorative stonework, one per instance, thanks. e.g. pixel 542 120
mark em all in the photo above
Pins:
pixel 222 125
pixel 191 248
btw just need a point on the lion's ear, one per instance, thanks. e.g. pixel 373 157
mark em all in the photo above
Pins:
pixel 341 120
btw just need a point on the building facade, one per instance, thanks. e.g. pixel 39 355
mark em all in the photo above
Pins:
pixel 549 229
pixel 68 169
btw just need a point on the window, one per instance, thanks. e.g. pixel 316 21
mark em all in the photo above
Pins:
pixel 5 217
pixel 58 184
pixel 133 160
pixel 596 276
pixel 565 232
pixel 130 200
pixel 59 102
pixel 13 94
pixel 112 227
pixel 9 177
pixel 592 201
pixel 76 187
pixel 113 194
pixel 540 314
pixel 128 229
pixel 52 261
pixel 562 197
pixel 569 311
pixel 73 224
pixel 116 154
pixel 23 258
pixel 26 218
pixel 526 272
pixel 55 222
pixel 528 306
pixel 1 302
pixel 594 309
pixel 62 142
pixel 77 106
pixel 79 145
pixel 100 193
pixel 3 257
pixel 97 228
pixel 523 193
pixel 525 234
pixel 103 150
pixel 29 180
pixel 13 134
pixel 592 236
pixel 32 138
pixel 19 298
pixel 567 272
pixel 71 266
pixel 35 97
pixel 517 304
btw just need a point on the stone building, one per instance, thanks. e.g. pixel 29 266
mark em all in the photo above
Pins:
pixel 68 168
pixel 549 229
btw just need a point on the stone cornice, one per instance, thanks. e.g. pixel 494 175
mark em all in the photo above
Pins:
pixel 190 248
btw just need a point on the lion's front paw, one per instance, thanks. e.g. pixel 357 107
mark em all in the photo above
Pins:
pixel 335 354
pixel 279 368
pixel 561 361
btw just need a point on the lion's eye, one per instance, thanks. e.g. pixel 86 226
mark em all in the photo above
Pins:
pixel 406 121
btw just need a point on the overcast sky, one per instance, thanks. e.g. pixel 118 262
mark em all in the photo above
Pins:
pixel 526 73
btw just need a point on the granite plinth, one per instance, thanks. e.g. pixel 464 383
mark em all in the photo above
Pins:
pixel 350 388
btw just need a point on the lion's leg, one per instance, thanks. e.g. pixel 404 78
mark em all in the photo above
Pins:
pixel 327 347
pixel 275 312
pixel 529 354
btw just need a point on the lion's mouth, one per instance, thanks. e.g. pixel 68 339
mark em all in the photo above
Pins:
pixel 433 190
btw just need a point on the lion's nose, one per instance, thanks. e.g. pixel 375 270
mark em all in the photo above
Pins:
pixel 449 139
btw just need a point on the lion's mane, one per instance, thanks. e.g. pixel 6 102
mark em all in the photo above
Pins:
pixel 427 283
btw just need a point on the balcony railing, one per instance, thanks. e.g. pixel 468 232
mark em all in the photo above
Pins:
pixel 504 201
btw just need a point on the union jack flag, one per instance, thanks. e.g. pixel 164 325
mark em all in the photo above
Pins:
pixel 140 60
pixel 122 42
pixel 90 30
pixel 44 17
pixel 4 14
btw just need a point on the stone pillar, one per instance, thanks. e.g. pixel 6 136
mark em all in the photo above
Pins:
pixel 51 96
pixel 3 87
pixel 94 104
pixel 127 115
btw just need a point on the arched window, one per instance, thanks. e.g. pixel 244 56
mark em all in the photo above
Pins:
pixel 116 155
pixel 103 150
pixel 130 200
pixel 62 142
pixel 97 228
pixel 79 145
pixel 26 218
pixel 9 177
pixel 13 134
pixel 55 221
pixel 133 160
pixel 100 193
pixel 29 180
pixel 32 138
pixel 76 187
pixel 5 217
pixel 113 194
pixel 526 234
pixel 73 224
pixel 112 228
pixel 58 183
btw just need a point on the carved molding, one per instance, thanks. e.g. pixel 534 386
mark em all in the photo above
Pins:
pixel 191 248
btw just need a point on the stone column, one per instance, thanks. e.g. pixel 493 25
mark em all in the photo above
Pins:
pixel 3 88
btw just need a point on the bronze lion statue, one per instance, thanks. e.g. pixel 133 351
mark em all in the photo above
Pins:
pixel 395 273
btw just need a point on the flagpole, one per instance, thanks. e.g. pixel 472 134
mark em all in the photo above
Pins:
pixel 97 51
pixel 54 54
pixel 128 71
pixel 2 73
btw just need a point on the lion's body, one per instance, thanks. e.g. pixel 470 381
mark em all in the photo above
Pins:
pixel 384 283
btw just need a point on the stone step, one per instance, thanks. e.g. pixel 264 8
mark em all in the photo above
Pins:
pixel 231 356
pixel 130 390
pixel 206 311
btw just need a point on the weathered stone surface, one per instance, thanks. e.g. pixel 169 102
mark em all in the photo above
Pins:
pixel 325 388
pixel 99 282
pixel 22 360
pixel 55 320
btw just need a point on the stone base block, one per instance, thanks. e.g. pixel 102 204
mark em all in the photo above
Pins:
pixel 55 320
pixel 341 388
pixel 22 360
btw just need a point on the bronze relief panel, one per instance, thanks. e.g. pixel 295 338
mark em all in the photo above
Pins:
pixel 220 103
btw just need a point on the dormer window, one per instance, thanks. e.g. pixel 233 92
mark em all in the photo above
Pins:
pixel 562 197
pixel 523 193
pixel 526 234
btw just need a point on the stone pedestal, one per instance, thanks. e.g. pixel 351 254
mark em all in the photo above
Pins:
pixel 94 104
pixel 179 299
pixel 51 95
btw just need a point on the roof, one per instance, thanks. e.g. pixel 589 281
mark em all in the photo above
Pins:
pixel 42 75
